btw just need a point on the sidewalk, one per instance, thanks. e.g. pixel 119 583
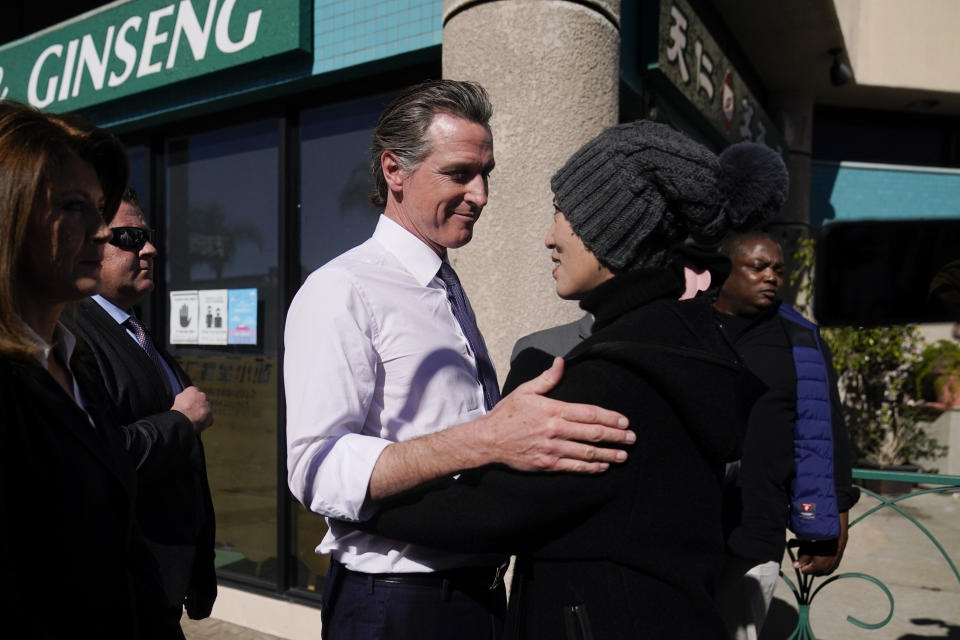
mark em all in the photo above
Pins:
pixel 212 629
pixel 893 550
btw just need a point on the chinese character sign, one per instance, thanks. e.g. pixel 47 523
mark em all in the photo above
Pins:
pixel 691 60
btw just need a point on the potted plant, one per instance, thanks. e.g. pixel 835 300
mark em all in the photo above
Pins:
pixel 937 374
pixel 875 369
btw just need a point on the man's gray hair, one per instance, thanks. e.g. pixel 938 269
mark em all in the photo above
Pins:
pixel 402 127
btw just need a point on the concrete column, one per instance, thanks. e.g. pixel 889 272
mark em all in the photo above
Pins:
pixel 794 113
pixel 796 122
pixel 552 70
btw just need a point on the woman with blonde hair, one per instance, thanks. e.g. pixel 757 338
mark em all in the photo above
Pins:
pixel 66 486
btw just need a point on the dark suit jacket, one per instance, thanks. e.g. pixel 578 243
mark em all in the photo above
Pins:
pixel 556 341
pixel 173 502
pixel 68 540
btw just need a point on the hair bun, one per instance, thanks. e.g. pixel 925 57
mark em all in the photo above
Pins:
pixel 753 184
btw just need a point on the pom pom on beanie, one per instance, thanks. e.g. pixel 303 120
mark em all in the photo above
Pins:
pixel 639 188
pixel 753 184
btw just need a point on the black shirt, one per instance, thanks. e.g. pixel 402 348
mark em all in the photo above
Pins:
pixel 757 506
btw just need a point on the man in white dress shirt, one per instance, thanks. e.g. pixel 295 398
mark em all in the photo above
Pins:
pixel 389 385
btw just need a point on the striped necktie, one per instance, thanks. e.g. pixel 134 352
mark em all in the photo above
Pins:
pixel 143 339
pixel 468 324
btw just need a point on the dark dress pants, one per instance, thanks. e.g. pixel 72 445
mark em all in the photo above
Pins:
pixel 360 607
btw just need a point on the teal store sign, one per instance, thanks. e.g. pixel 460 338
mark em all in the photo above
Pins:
pixel 133 46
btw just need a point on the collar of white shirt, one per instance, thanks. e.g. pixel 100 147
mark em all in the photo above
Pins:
pixel 413 253
pixel 115 312
pixel 64 342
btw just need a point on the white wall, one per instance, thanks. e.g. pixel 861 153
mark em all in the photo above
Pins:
pixel 896 43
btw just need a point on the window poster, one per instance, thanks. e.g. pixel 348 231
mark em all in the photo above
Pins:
pixel 213 316
pixel 242 316
pixel 184 320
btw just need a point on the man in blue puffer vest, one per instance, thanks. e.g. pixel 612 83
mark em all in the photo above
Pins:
pixel 795 469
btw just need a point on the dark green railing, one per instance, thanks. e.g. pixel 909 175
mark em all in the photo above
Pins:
pixel 803 589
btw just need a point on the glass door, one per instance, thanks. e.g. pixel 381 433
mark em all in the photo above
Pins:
pixel 222 305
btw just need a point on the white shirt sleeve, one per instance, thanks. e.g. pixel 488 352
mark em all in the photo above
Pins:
pixel 330 373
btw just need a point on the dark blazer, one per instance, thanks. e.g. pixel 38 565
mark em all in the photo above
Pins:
pixel 556 341
pixel 67 531
pixel 174 507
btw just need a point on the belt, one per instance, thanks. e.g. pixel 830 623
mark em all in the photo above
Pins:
pixel 466 578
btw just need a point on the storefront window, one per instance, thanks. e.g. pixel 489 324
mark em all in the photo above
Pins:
pixel 335 182
pixel 335 214
pixel 222 308
pixel 139 178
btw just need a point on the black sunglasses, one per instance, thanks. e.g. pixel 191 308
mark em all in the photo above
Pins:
pixel 130 238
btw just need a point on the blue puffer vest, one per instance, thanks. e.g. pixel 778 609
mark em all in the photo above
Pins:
pixel 813 495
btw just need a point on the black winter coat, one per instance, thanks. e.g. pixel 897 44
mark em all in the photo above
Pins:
pixel 68 541
pixel 633 552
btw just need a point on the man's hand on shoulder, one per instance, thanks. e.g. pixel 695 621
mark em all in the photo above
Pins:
pixel 193 403
pixel 525 431
pixel 530 432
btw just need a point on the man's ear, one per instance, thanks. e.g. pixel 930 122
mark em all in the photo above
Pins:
pixel 392 171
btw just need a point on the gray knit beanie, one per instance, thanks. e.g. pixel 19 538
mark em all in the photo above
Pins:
pixel 639 188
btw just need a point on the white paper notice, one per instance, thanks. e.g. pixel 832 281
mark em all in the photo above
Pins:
pixel 184 317
pixel 213 316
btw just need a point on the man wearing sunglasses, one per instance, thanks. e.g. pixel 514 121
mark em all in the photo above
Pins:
pixel 163 416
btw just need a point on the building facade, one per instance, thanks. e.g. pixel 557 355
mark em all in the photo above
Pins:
pixel 249 123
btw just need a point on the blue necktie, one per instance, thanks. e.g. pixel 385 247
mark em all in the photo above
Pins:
pixel 468 324
pixel 143 339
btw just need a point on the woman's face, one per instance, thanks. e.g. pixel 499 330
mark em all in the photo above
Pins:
pixel 65 238
pixel 576 270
